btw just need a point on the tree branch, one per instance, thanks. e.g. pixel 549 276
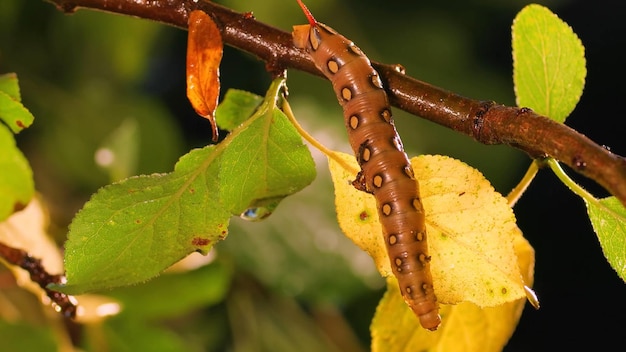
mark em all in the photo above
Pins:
pixel 486 122
pixel 63 303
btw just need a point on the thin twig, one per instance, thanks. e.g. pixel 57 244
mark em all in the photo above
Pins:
pixel 63 303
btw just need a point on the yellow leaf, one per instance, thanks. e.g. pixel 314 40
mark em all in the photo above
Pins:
pixel 470 230
pixel 479 258
pixel 356 211
pixel 465 326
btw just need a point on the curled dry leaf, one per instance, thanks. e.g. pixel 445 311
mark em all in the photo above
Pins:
pixel 204 54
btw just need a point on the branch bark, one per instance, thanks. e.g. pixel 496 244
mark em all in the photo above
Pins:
pixel 485 121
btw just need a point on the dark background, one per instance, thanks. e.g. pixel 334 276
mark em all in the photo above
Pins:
pixel 83 74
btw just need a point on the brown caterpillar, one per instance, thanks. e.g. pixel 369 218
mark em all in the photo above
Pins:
pixel 385 168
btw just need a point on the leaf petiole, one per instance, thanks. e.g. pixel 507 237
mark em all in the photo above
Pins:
pixel 314 142
pixel 517 191
pixel 573 186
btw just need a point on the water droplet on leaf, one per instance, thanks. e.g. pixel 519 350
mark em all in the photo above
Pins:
pixel 256 213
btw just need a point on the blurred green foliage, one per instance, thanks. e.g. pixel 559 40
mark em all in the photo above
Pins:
pixel 86 75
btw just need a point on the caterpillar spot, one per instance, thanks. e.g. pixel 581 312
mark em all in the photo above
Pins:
pixel 424 259
pixel 417 204
pixel 378 181
pixel 408 170
pixel 386 209
pixel 399 263
pixel 355 49
pixel 333 66
pixel 315 38
pixel 376 80
pixel 393 239
pixel 365 153
pixel 353 122
pixel 386 115
pixel 346 94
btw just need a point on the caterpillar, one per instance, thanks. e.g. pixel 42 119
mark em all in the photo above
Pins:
pixel 385 168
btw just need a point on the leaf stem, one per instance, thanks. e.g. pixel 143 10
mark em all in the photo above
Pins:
pixel 314 142
pixel 573 186
pixel 523 184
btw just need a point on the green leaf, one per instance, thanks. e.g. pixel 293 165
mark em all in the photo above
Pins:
pixel 16 178
pixel 608 217
pixel 9 85
pixel 270 141
pixel 12 112
pixel 132 230
pixel 238 105
pixel 548 63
